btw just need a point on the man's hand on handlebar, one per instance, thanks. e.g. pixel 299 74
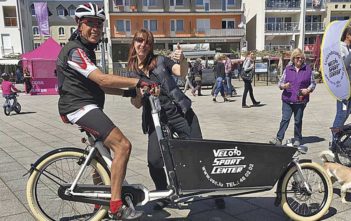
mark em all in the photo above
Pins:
pixel 148 86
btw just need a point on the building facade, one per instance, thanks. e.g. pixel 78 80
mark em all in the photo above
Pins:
pixel 284 24
pixel 338 10
pixel 9 33
pixel 218 23
pixel 61 22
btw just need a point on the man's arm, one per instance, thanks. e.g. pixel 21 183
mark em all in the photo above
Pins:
pixel 80 62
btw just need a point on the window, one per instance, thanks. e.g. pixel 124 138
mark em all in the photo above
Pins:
pixel 36 45
pixel 151 25
pixel 62 44
pixel 61 31
pixel 202 25
pixel 123 25
pixel 231 2
pixel 35 31
pixel 72 29
pixel 10 16
pixel 122 2
pixel 6 41
pixel 32 10
pixel 71 10
pixel 119 2
pixel 177 25
pixel 199 2
pixel 228 24
pixel 61 10
pixel 179 2
pixel 149 2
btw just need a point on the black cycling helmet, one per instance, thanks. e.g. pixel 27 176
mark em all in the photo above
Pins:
pixel 5 76
pixel 89 10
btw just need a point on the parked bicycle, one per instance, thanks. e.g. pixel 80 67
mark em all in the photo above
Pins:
pixel 11 104
pixel 341 145
pixel 66 183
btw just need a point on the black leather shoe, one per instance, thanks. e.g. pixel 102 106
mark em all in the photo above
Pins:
pixel 256 103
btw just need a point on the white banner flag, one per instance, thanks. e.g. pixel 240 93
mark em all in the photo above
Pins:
pixel 333 69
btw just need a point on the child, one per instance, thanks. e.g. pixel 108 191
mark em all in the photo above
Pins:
pixel 6 86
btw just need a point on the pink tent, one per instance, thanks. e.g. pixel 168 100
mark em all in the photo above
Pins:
pixel 41 63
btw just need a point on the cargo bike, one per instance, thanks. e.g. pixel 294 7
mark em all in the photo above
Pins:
pixel 68 183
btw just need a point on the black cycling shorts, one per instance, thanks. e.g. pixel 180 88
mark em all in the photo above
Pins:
pixel 96 123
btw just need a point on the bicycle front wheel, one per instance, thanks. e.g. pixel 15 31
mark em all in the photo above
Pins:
pixel 298 202
pixel 62 168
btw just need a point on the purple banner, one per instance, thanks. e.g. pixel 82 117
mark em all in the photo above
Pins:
pixel 41 12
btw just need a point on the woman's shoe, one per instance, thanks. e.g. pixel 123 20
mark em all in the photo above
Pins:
pixel 245 106
pixel 256 103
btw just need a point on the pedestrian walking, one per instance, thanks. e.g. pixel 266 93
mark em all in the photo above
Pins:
pixel 197 72
pixel 189 78
pixel 219 71
pixel 247 75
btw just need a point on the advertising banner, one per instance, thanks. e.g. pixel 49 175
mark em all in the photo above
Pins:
pixel 333 69
pixel 41 13
pixel 44 86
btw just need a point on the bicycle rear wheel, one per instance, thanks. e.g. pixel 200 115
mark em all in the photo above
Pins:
pixel 300 204
pixel 57 169
pixel 342 150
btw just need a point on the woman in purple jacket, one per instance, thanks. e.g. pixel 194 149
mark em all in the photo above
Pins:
pixel 297 82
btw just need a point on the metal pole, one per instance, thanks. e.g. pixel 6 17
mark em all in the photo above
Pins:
pixel 103 61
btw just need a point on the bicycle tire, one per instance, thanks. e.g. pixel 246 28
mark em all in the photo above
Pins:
pixel 39 210
pixel 7 110
pixel 17 108
pixel 287 202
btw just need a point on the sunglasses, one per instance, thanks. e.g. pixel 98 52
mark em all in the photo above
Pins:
pixel 93 23
pixel 140 40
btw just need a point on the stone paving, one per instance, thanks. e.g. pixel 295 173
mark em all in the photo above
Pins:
pixel 38 129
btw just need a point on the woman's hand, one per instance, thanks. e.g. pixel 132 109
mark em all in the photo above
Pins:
pixel 286 85
pixel 305 91
pixel 177 55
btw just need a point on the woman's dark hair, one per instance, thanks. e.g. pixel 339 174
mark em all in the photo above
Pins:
pixel 150 61
pixel 346 32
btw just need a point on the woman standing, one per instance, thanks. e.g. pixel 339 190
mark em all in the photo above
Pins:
pixel 248 67
pixel 297 82
pixel 27 81
pixel 176 111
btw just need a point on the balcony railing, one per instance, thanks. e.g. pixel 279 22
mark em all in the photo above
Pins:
pixel 224 32
pixel 279 4
pixel 271 47
pixel 279 27
pixel 314 27
pixel 6 51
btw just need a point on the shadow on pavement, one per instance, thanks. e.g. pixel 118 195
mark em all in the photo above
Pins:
pixel 331 212
pixel 312 139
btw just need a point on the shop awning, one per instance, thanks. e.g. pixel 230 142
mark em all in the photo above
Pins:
pixel 9 61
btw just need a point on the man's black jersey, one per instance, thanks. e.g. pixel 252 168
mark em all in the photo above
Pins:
pixel 75 89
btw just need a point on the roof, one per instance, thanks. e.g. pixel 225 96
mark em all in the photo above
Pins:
pixel 9 61
pixel 198 54
pixel 54 19
pixel 48 50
